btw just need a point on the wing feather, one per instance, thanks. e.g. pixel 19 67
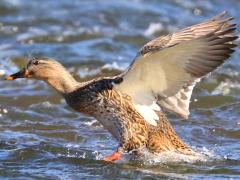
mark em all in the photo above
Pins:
pixel 168 67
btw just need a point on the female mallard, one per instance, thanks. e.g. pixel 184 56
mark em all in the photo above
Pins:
pixel 162 75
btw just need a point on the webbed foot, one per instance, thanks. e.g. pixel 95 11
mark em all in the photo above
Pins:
pixel 115 156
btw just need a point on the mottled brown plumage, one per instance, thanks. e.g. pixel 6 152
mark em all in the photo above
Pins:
pixel 118 115
pixel 162 76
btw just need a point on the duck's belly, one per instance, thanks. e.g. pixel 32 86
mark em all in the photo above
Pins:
pixel 107 118
pixel 111 123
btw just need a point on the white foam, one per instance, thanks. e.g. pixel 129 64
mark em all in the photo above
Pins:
pixel 115 65
pixel 97 155
pixel 225 88
pixel 85 72
pixel 2 72
pixel 32 31
pixel 5 111
pixel 153 28
pixel 90 123
pixel 47 104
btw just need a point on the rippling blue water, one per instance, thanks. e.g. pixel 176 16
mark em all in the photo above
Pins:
pixel 42 138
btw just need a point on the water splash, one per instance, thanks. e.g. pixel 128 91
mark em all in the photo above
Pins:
pixel 148 158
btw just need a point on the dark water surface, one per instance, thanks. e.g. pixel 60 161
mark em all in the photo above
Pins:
pixel 42 138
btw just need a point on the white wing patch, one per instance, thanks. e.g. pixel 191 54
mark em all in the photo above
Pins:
pixel 148 112
pixel 179 103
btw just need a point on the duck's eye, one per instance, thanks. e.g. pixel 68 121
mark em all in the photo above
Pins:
pixel 36 62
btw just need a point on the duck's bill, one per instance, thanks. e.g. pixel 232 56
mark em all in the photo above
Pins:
pixel 21 74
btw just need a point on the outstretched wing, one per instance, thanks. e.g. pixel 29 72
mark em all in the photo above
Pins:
pixel 167 68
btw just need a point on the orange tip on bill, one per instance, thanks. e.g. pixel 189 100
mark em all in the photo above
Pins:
pixel 9 78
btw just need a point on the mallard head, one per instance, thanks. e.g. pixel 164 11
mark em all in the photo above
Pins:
pixel 48 70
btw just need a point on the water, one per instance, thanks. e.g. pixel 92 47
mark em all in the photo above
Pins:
pixel 42 138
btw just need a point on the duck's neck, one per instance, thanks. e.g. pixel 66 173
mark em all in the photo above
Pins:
pixel 64 83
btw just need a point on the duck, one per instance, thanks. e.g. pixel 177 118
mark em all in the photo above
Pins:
pixel 132 104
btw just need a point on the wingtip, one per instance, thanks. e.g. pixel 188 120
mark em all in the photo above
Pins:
pixel 223 13
pixel 184 116
pixel 223 16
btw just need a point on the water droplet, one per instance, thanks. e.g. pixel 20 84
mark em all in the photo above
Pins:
pixel 197 11
pixel 195 100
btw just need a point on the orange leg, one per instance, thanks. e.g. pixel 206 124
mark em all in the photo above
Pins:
pixel 115 156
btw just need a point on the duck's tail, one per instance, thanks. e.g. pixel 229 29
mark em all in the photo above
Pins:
pixel 163 138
